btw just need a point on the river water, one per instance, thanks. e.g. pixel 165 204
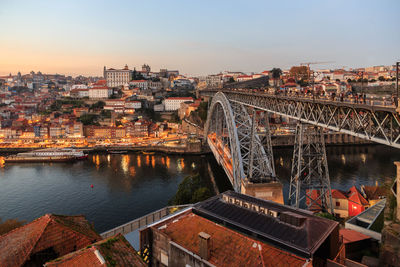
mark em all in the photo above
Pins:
pixel 128 186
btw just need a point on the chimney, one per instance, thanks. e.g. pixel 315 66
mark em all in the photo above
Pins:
pixel 204 245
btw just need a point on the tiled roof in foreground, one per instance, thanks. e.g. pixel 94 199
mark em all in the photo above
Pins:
pixel 113 251
pixel 295 230
pixel 229 248
pixel 63 234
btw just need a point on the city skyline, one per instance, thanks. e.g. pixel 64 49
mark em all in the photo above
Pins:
pixel 197 38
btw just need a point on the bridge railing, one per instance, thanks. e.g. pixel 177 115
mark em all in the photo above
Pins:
pixel 144 220
pixel 368 101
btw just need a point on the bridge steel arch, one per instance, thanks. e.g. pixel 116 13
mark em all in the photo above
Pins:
pixel 379 124
pixel 249 158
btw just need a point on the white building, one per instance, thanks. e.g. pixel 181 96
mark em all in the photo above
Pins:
pixel 158 108
pixel 117 77
pixel 100 92
pixel 133 104
pixel 174 103
pixel 142 84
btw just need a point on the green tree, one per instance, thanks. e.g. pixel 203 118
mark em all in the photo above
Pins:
pixel 97 105
pixel 89 119
pixel 203 111
pixel 9 225
pixel 191 190
pixel 381 78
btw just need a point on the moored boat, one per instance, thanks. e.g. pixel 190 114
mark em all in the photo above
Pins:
pixel 47 155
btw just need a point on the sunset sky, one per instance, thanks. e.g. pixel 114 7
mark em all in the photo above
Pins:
pixel 196 37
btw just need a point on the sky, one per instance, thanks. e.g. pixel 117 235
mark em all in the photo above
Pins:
pixel 196 37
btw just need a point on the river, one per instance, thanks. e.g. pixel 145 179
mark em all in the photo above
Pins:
pixel 128 186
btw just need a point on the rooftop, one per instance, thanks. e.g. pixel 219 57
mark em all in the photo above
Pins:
pixel 63 233
pixel 113 251
pixel 296 230
pixel 229 248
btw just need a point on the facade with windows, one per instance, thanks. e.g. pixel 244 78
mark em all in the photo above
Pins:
pixel 117 77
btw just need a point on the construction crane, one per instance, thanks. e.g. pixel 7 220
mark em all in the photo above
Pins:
pixel 313 63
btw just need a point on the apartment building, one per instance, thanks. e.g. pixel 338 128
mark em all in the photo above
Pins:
pixel 174 103
pixel 117 77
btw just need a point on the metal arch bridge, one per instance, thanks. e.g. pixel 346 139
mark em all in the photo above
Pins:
pixel 231 134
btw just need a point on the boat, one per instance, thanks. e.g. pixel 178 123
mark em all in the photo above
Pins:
pixel 117 151
pixel 148 153
pixel 47 155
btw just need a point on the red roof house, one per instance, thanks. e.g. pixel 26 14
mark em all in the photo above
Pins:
pixel 357 203
pixel 44 239
pixel 113 251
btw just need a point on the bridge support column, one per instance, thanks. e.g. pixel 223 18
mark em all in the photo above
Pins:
pixel 268 191
pixel 309 180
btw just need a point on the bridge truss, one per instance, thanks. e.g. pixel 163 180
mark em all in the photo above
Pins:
pixel 231 133
pixel 309 180
pixel 375 123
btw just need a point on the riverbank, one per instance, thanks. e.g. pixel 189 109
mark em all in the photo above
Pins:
pixel 282 141
pixel 190 149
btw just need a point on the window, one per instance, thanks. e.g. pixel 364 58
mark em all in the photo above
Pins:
pixel 337 204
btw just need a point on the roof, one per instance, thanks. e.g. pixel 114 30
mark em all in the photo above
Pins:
pixel 63 233
pixel 179 98
pixel 350 236
pixel 355 196
pixel 229 248
pixel 374 192
pixel 113 251
pixel 303 239
pixel 338 194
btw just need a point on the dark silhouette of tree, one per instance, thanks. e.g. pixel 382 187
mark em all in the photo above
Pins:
pixel 276 75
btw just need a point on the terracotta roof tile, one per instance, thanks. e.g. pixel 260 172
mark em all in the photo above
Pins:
pixel 355 196
pixel 63 233
pixel 350 236
pixel 114 251
pixel 229 248
pixel 338 194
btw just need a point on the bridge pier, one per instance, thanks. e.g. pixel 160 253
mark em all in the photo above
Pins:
pixel 272 191
pixel 309 180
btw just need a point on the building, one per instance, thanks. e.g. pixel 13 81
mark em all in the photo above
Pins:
pixel 233 229
pixel 104 132
pixel 113 251
pixel 186 108
pixel 344 204
pixel 100 92
pixel 174 103
pixel 158 108
pixel 142 84
pixel 117 77
pixel 133 104
pixel 140 128
pixel 214 80
pixel 46 238
pixel 357 203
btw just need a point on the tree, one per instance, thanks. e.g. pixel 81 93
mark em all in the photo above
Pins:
pixel 231 80
pixel 191 190
pixel 9 225
pixel 381 78
pixel 97 105
pixel 89 119
pixel 276 75
pixel 203 110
